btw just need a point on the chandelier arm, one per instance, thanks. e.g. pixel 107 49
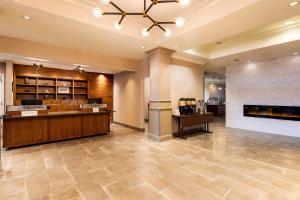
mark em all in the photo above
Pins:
pixel 149 8
pixel 150 27
pixel 134 13
pixel 166 23
pixel 112 13
pixel 164 30
pixel 117 7
pixel 151 19
pixel 167 1
pixel 145 5
pixel 121 19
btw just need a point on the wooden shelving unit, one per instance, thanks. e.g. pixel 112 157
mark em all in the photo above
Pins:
pixel 49 88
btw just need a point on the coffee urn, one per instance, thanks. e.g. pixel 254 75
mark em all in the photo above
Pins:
pixel 189 106
pixel 193 101
pixel 182 106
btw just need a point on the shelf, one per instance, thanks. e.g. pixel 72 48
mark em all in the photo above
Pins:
pixel 64 86
pixel 47 85
pixel 81 93
pixel 85 87
pixel 65 93
pixel 46 93
pixel 26 92
pixel 22 84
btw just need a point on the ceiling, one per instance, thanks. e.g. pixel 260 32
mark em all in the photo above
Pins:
pixel 243 26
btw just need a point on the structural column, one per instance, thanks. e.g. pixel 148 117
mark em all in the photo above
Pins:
pixel 160 111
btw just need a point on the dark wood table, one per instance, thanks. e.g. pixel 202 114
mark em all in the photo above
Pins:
pixel 185 121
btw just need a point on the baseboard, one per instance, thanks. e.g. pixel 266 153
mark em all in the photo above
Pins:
pixel 159 139
pixel 129 126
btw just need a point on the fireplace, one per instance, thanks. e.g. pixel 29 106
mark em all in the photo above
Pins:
pixel 273 112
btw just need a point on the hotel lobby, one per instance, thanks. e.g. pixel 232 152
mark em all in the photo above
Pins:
pixel 150 99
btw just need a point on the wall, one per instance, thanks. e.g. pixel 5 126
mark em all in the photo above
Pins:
pixel 128 96
pixel 212 90
pixel 8 79
pixel 187 81
pixel 269 82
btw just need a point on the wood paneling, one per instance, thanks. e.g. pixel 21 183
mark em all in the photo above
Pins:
pixel 99 85
pixel 64 127
pixel 93 125
pixel 23 131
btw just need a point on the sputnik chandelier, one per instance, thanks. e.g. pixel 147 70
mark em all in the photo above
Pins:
pixel 146 31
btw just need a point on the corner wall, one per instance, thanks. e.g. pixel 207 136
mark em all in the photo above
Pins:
pixel 269 82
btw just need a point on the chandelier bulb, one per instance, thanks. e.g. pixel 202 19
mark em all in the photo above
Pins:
pixel 145 32
pixel 168 32
pixel 184 3
pixel 105 2
pixel 180 21
pixel 117 25
pixel 97 12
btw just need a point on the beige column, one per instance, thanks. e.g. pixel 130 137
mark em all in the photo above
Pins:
pixel 160 111
pixel 8 87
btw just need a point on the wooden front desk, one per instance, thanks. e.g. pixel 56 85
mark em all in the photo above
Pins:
pixel 20 131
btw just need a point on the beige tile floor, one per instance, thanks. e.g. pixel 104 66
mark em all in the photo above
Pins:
pixel 229 164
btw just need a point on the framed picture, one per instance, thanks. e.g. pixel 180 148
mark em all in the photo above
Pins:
pixel 63 90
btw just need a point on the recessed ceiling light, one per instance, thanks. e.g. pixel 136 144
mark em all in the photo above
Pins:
pixel 294 3
pixel 249 61
pixel 143 47
pixel 26 17
pixel 296 53
pixel 175 45
pixel 289 22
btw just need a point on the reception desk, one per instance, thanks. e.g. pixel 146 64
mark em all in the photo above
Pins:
pixel 56 126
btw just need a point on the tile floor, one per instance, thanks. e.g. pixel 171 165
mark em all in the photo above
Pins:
pixel 229 164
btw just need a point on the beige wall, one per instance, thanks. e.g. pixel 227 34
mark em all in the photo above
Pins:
pixel 129 97
pixel 269 82
pixel 186 81
pixel 8 80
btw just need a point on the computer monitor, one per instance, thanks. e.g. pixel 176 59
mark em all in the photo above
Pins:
pixel 31 102
pixel 95 101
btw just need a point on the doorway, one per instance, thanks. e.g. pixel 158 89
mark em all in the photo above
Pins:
pixel 1 113
pixel 146 102
pixel 215 94
pixel 1 94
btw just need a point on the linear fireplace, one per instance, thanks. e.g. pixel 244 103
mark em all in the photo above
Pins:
pixel 273 112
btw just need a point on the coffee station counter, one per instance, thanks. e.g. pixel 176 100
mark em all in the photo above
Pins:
pixel 21 129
